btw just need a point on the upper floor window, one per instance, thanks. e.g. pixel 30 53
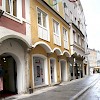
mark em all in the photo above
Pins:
pixel 65 37
pixel 11 7
pixel 56 31
pixel 79 24
pixel 71 16
pixel 78 39
pixel 66 9
pixel 43 31
pixel 74 36
pixel 56 7
pixel 42 18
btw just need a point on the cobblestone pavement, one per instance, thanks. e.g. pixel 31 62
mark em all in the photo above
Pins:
pixel 64 91
pixel 92 94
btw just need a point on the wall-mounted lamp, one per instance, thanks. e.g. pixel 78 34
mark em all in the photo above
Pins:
pixel 1 12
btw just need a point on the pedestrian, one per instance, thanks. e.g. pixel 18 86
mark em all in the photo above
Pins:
pixel 1 80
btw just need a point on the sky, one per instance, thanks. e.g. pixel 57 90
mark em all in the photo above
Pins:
pixel 91 10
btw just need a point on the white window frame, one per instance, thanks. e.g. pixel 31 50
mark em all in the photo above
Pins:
pixel 66 11
pixel 71 15
pixel 18 16
pixel 41 34
pixel 57 35
pixel 65 38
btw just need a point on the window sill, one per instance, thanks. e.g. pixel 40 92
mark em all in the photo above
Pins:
pixel 44 39
pixel 58 44
pixel 12 17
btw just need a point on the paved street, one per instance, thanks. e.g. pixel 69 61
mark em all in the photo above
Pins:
pixel 92 94
pixel 64 91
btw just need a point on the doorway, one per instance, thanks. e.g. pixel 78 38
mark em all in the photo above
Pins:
pixel 63 71
pixel 39 71
pixel 53 70
pixel 9 75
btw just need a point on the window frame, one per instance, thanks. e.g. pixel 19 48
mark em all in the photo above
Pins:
pixel 47 24
pixel 18 16
pixel 58 35
pixel 65 39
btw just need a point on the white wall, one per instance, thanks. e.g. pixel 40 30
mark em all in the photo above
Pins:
pixel 17 52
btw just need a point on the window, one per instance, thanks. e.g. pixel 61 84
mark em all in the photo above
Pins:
pixel 42 25
pixel 42 18
pixel 78 37
pixel 65 37
pixel 11 7
pixel 55 5
pixel 71 17
pixel 82 42
pixel 66 11
pixel 79 24
pixel 56 31
pixel 74 36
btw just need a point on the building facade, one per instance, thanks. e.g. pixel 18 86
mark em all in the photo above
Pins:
pixel 43 43
pixel 15 39
pixel 73 14
pixel 94 61
pixel 59 42
pixel 51 45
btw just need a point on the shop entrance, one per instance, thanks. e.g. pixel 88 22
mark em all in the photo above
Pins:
pixel 39 71
pixel 53 70
pixel 9 77
pixel 63 71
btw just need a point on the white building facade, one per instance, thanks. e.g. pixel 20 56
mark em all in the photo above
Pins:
pixel 78 38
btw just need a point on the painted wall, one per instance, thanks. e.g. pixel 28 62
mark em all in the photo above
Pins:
pixel 51 16
pixel 40 50
pixel 20 25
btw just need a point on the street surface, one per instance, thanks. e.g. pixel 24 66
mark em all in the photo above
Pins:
pixel 92 94
pixel 64 91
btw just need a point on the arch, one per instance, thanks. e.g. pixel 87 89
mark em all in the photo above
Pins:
pixel 58 51
pixel 66 53
pixel 79 55
pixel 44 45
pixel 18 69
pixel 15 37
pixel 17 52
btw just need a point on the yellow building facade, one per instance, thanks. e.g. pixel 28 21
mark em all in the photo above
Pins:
pixel 50 45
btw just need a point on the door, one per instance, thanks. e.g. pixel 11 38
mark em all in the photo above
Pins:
pixel 38 70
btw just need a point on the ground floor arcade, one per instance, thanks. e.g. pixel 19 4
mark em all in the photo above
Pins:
pixel 77 67
pixel 13 66
pixel 47 68
pixel 25 70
